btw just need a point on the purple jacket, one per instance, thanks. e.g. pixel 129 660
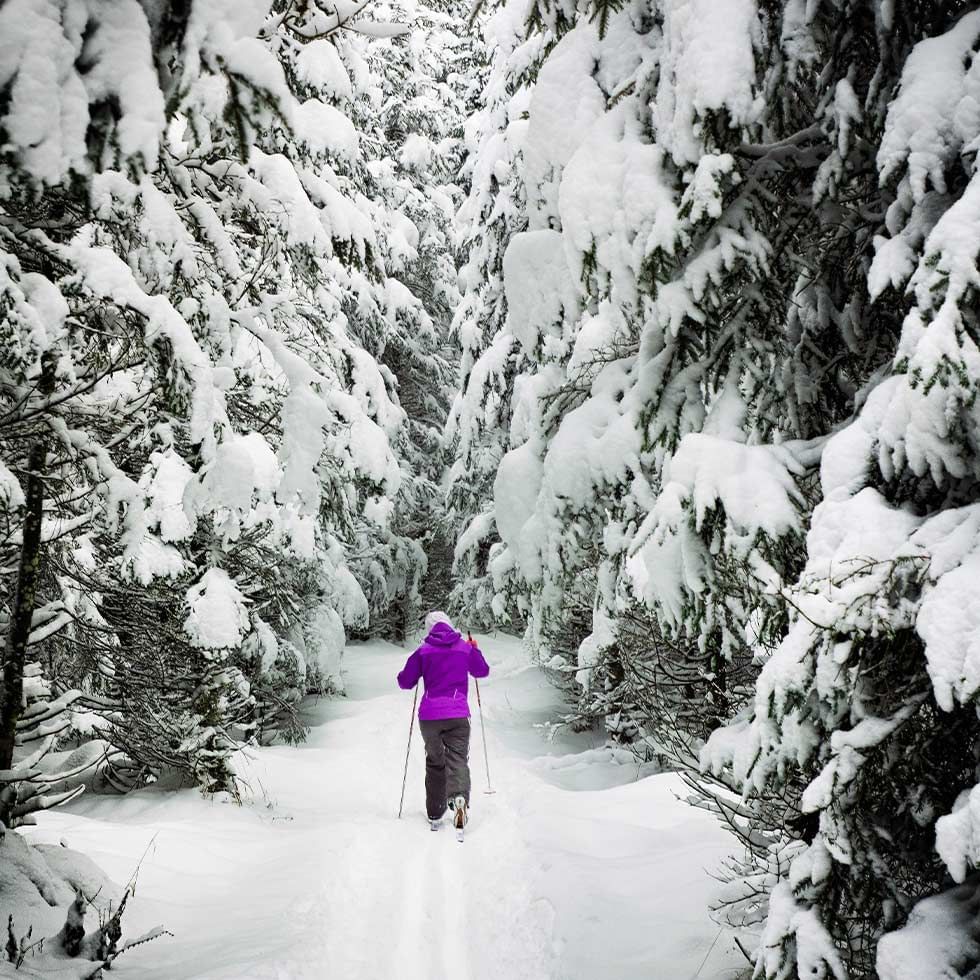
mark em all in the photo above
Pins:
pixel 444 662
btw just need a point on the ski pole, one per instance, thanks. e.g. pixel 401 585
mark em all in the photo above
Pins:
pixel 483 729
pixel 486 757
pixel 411 726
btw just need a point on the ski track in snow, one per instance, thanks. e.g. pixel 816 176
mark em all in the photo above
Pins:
pixel 316 878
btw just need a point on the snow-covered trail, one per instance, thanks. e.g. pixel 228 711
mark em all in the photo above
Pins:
pixel 574 869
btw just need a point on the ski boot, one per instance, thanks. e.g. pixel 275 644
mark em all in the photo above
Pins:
pixel 458 806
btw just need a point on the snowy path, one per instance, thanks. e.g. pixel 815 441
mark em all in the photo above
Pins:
pixel 318 879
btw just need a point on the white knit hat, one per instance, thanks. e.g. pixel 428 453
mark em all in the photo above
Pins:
pixel 437 617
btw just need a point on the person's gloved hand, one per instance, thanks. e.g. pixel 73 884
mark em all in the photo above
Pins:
pixel 469 639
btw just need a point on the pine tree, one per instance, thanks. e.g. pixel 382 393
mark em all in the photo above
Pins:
pixel 717 272
pixel 200 402
pixel 416 154
pixel 876 720
pixel 479 419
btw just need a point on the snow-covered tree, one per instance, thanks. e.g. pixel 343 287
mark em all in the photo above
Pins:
pixel 76 324
pixel 738 318
pixel 869 701
pixel 226 278
pixel 415 118
pixel 186 366
pixel 492 212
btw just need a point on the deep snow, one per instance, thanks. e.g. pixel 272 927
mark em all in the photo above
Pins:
pixel 578 868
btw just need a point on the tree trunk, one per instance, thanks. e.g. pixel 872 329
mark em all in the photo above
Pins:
pixel 15 653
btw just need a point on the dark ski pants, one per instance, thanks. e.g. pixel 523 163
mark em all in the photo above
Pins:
pixel 447 771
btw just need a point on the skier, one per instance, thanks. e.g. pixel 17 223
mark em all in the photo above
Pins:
pixel 445 661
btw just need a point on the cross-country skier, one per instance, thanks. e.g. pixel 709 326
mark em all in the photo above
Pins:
pixel 445 662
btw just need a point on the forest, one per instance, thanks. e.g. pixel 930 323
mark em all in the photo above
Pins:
pixel 640 336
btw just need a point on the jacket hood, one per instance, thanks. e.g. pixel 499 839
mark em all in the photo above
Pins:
pixel 442 635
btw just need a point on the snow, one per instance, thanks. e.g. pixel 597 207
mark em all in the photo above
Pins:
pixel 515 493
pixel 119 66
pixel 378 510
pixel 164 483
pixel 264 639
pixel 477 403
pixel 663 568
pixel 930 125
pixel 852 544
pixel 816 955
pixel 217 617
pixel 539 287
pixel 937 109
pixel 940 941
pixel 378 29
pixel 44 310
pixel 574 868
pixel 706 70
pixel 909 223
pixel 365 442
pixel 326 129
pixel 949 252
pixel 37 57
pixel 596 334
pixel 325 639
pixel 11 493
pixel 849 750
pixel 753 484
pixel 597 443
pixel 949 623
pixel 615 201
pixel 299 221
pixel 45 117
pixel 958 835
pixel 602 637
pixel 565 102
pixel 304 415
pixel 109 277
pixel 348 597
pixel 244 473
pixel 37 884
pixel 477 531
pixel 416 152
pixel 148 558
pixel 319 64
pixel 847 457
